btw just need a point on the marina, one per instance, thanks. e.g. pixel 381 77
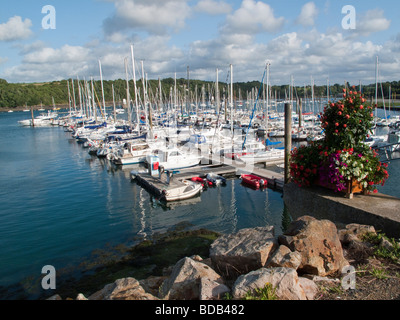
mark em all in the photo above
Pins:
pixel 94 176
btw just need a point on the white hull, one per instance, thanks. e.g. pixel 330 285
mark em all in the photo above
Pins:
pixel 263 156
pixel 188 190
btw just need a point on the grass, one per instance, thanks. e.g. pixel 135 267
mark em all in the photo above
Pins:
pixel 268 292
pixel 392 252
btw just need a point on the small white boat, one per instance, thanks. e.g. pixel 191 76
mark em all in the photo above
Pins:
pixel 131 153
pixel 263 156
pixel 175 158
pixel 188 190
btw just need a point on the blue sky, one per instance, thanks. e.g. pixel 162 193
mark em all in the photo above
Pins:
pixel 302 39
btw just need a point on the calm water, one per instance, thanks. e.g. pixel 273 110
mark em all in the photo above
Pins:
pixel 58 203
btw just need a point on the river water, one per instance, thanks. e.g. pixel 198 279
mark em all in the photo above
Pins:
pixel 58 204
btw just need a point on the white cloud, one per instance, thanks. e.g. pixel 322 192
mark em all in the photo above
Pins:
pixel 372 21
pixel 252 18
pixel 308 14
pixel 15 29
pixel 152 16
pixel 213 7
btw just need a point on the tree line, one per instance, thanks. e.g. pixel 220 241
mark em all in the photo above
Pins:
pixel 14 95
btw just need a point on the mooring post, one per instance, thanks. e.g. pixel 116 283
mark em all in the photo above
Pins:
pixel 288 139
pixel 300 112
pixel 33 118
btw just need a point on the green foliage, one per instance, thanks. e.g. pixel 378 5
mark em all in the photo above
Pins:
pixel 266 293
pixel 20 94
pixel 347 122
pixel 392 253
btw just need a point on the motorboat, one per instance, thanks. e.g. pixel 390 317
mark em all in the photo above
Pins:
pixel 253 180
pixel 263 156
pixel 131 153
pixel 174 158
pixel 215 179
pixel 187 190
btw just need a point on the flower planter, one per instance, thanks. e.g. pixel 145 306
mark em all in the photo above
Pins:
pixel 352 186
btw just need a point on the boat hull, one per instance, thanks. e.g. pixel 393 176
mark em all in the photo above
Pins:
pixel 253 180
pixel 188 190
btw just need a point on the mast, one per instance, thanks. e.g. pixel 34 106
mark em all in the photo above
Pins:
pixel 376 81
pixel 93 101
pixel 115 111
pixel 266 112
pixel 73 92
pixel 102 91
pixel 217 94
pixel 231 98
pixel 128 99
pixel 136 95
pixel 80 98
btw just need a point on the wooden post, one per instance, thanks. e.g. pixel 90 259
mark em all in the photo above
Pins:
pixel 33 118
pixel 300 113
pixel 288 140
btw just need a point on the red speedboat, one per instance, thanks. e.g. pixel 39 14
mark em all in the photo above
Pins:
pixel 253 180
pixel 203 181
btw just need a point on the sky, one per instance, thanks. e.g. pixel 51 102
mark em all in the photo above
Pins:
pixel 321 41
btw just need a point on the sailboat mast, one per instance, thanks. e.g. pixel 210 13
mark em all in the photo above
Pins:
pixel 102 90
pixel 115 110
pixel 128 99
pixel 231 98
pixel 136 95
pixel 266 111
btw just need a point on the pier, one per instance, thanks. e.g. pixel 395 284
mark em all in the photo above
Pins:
pixel 212 164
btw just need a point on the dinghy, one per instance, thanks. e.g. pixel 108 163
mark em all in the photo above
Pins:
pixel 215 179
pixel 253 180
pixel 188 190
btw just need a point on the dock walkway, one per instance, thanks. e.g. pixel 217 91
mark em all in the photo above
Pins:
pixel 213 164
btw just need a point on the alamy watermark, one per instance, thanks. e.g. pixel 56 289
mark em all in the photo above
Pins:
pixel 349 20
pixel 49 280
pixel 49 20
pixel 348 278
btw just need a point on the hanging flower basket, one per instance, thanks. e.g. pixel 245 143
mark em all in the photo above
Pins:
pixel 350 186
pixel 342 161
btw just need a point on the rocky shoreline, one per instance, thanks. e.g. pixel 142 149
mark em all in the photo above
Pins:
pixel 300 264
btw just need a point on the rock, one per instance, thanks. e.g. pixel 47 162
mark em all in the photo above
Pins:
pixel 317 279
pixel 386 244
pixel 242 252
pixel 285 280
pixel 310 288
pixel 351 239
pixel 152 284
pixel 353 230
pixel 80 296
pixel 284 257
pixel 184 282
pixel 122 289
pixel 318 243
pixel 212 290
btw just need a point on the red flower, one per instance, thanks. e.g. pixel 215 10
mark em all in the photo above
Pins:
pixel 375 191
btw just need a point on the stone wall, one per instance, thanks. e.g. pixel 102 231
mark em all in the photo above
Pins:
pixel 378 210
